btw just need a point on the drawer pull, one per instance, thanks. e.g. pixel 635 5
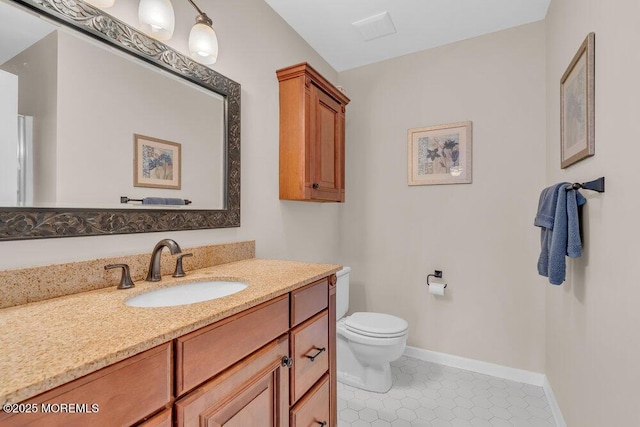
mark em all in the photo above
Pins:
pixel 322 423
pixel 320 350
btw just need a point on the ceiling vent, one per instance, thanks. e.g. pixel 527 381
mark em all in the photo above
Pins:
pixel 375 26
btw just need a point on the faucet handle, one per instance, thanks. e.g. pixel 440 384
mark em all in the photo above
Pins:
pixel 125 279
pixel 179 271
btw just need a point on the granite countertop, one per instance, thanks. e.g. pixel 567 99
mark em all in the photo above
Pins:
pixel 48 343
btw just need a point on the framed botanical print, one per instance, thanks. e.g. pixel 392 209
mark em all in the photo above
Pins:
pixel 440 154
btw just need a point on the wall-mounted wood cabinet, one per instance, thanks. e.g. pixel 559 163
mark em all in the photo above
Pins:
pixel 312 116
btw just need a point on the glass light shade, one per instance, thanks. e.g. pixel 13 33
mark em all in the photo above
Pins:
pixel 101 3
pixel 156 18
pixel 203 44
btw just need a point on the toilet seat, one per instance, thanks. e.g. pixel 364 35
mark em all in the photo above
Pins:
pixel 376 325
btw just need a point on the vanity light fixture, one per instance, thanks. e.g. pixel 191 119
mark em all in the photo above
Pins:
pixel 156 18
pixel 101 3
pixel 203 42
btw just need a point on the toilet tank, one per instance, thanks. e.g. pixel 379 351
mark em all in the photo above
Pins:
pixel 342 292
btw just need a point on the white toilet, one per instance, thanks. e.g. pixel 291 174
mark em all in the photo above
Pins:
pixel 366 342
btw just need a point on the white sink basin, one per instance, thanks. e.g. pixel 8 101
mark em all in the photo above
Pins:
pixel 188 293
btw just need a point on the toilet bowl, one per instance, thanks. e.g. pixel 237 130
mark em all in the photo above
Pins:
pixel 366 342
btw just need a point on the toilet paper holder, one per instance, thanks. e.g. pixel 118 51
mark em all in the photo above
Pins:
pixel 437 274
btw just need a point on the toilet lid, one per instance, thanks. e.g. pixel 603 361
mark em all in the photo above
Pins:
pixel 376 325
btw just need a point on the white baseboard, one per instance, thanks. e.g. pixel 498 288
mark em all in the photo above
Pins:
pixel 504 372
pixel 553 404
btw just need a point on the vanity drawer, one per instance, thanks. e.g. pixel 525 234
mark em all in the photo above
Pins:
pixel 123 394
pixel 204 353
pixel 313 409
pixel 309 300
pixel 309 362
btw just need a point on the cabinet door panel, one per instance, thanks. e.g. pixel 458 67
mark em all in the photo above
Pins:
pixel 327 140
pixel 254 404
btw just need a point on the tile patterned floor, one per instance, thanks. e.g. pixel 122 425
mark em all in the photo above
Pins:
pixel 430 395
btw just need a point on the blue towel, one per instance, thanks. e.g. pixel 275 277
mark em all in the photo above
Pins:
pixel 560 232
pixel 547 206
pixel 153 201
pixel 173 201
pixel 162 201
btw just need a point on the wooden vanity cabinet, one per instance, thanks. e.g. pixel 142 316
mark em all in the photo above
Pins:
pixel 271 365
pixel 312 134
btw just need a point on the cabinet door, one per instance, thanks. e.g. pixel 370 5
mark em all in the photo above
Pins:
pixel 253 392
pixel 327 147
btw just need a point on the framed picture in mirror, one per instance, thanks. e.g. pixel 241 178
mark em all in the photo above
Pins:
pixel 157 163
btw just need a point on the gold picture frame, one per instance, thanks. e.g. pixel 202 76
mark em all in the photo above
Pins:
pixel 440 154
pixel 577 106
pixel 156 163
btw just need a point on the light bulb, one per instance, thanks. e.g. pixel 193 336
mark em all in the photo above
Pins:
pixel 156 18
pixel 101 3
pixel 203 44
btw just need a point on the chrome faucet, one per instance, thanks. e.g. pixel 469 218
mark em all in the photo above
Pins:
pixel 154 274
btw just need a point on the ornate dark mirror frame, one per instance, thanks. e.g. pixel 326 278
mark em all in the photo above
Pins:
pixel 36 223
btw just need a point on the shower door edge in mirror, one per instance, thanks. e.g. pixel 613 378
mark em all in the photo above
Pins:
pixel 22 223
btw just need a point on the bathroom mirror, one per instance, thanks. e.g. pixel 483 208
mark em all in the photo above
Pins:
pixel 90 89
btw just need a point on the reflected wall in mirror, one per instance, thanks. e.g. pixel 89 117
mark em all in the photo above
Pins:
pixel 70 106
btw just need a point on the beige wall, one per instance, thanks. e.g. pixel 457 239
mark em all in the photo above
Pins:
pixel 593 344
pixel 254 43
pixel 480 234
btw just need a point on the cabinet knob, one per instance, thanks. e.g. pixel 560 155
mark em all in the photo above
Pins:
pixel 287 362
pixel 315 186
pixel 322 423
